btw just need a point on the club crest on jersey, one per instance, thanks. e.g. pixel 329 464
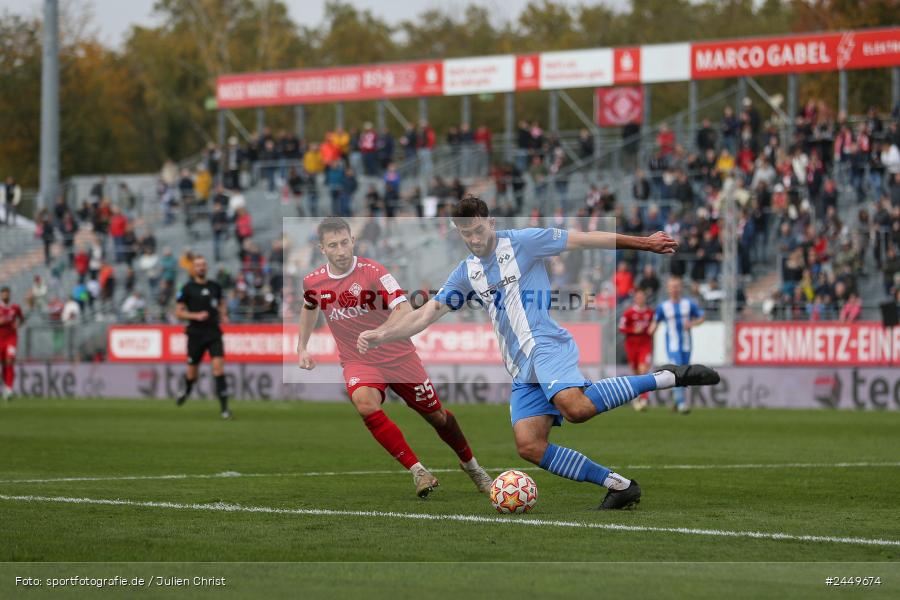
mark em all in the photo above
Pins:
pixel 355 289
pixel 353 381
pixel 204 292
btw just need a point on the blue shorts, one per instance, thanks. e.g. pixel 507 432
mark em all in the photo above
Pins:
pixel 681 357
pixel 552 367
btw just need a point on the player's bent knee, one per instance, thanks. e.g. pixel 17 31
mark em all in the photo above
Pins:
pixel 367 401
pixel 532 450
pixel 437 419
pixel 577 412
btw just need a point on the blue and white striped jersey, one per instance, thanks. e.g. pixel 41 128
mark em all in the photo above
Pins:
pixel 512 285
pixel 675 315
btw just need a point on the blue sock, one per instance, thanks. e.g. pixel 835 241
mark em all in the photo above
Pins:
pixel 607 394
pixel 572 464
pixel 679 396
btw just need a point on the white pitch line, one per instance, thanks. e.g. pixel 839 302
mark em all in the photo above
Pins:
pixel 231 474
pixel 238 508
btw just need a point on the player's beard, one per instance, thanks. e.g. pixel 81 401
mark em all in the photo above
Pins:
pixel 342 264
pixel 483 250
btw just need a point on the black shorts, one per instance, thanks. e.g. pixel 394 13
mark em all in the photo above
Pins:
pixel 200 343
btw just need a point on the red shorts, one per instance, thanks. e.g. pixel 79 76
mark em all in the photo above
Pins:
pixel 407 377
pixel 7 348
pixel 637 351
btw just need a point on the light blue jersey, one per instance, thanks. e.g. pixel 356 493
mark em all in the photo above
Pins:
pixel 675 315
pixel 512 285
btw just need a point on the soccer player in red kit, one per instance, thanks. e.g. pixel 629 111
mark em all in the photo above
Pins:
pixel 357 294
pixel 635 324
pixel 10 318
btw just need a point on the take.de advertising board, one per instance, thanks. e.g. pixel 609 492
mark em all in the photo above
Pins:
pixel 448 343
pixel 826 387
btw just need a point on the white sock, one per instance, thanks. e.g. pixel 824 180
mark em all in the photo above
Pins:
pixel 614 481
pixel 664 380
pixel 416 467
pixel 472 464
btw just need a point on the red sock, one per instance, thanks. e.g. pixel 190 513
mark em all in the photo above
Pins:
pixel 9 376
pixel 453 436
pixel 391 438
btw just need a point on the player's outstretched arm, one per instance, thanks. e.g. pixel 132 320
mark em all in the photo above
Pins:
pixel 308 318
pixel 403 326
pixel 658 243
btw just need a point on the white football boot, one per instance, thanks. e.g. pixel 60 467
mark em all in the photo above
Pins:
pixel 424 480
pixel 479 477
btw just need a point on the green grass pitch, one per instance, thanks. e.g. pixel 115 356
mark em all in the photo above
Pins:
pixel 704 473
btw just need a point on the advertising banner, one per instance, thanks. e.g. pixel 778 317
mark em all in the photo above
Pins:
pixel 452 343
pixel 481 75
pixel 793 54
pixel 661 63
pixel 816 344
pixel 577 68
pixel 827 387
pixel 330 85
pixel 655 63
pixel 620 106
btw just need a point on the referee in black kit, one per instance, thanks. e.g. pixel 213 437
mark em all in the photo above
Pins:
pixel 200 303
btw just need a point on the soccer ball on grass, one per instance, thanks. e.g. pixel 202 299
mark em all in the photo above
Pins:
pixel 513 492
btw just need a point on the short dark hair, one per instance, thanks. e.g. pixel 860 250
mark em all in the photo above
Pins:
pixel 330 224
pixel 5 288
pixel 469 208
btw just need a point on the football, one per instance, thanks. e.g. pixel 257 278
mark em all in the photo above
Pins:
pixel 513 492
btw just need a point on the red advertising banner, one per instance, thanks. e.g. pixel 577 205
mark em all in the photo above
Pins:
pixel 627 65
pixel 330 85
pixel 591 67
pixel 620 106
pixel 528 72
pixel 819 343
pixel 794 54
pixel 440 343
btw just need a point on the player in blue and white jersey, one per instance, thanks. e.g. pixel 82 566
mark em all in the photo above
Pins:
pixel 680 315
pixel 505 275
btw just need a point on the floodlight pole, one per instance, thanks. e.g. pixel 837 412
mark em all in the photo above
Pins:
pixel 49 177
pixel 729 268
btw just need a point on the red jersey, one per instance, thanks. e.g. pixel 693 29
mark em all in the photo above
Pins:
pixel 360 299
pixel 635 323
pixel 10 315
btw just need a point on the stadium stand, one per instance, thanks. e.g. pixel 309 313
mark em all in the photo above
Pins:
pixel 819 224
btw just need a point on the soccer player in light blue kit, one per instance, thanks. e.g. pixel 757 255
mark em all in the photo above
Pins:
pixel 505 275
pixel 680 316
